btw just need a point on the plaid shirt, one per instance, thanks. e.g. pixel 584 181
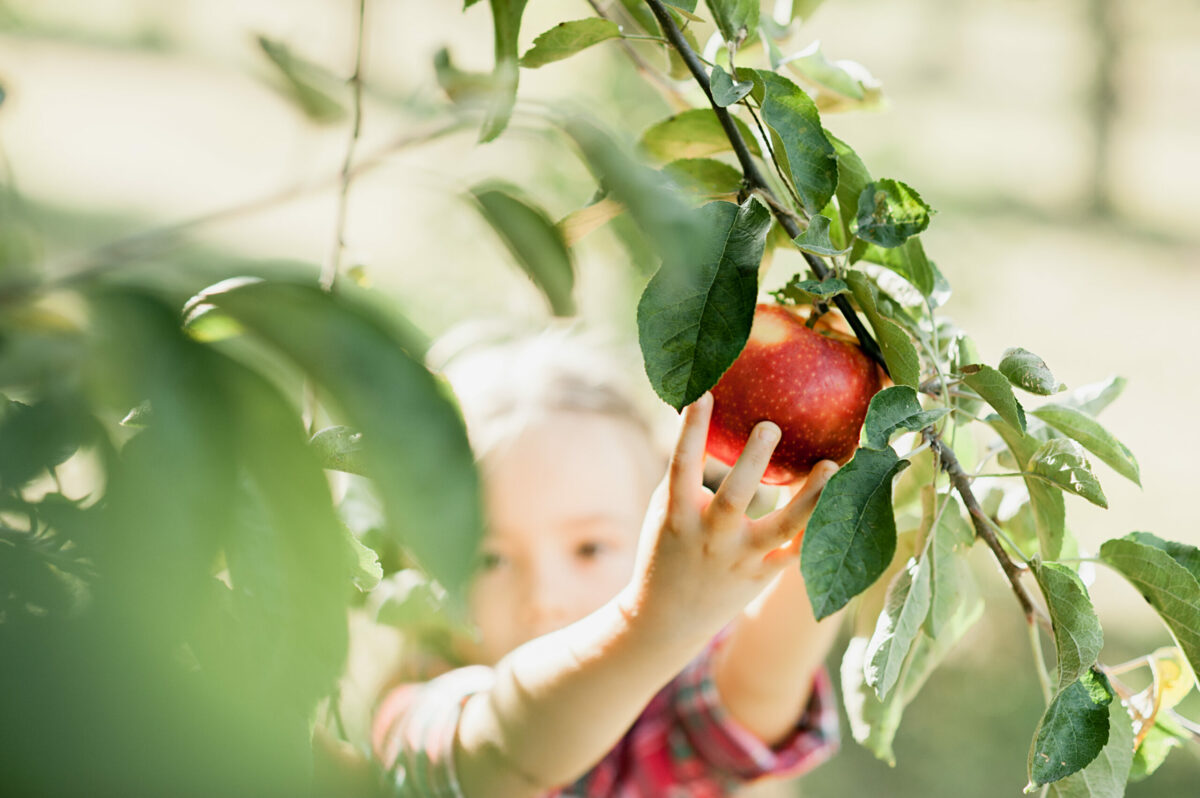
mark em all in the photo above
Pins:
pixel 683 744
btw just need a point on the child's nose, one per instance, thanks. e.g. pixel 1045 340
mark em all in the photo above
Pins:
pixel 545 608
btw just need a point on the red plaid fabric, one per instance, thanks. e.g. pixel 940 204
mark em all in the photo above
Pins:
pixel 683 744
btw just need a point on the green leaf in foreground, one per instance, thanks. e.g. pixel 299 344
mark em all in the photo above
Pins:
pixel 1095 438
pixel 1062 461
pixel 695 316
pixel 805 292
pixel 1073 730
pixel 1049 511
pixel 1169 587
pixel 704 176
pixel 1077 634
pixel 890 212
pixel 851 535
pixel 535 242
pixel 1107 774
pixel 811 158
pixel 506 26
pixel 852 176
pixel 895 410
pixel 694 133
pixel 898 350
pixel 815 238
pixel 1186 555
pixel 997 391
pixel 567 38
pixel 1029 372
pixel 724 91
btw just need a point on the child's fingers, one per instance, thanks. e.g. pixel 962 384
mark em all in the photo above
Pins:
pixel 737 490
pixel 787 522
pixel 686 472
pixel 781 556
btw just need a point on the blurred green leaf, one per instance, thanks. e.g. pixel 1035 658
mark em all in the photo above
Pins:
pixel 467 88
pixel 1106 775
pixel 734 17
pixel 1078 637
pixel 811 158
pixel 996 390
pixel 35 438
pixel 1160 739
pixel 907 260
pixel 724 91
pixel 890 212
pixel 339 448
pixel 506 24
pixel 904 613
pixel 567 38
pixel 1062 462
pixel 694 317
pixel 1029 372
pixel 406 420
pixel 1095 438
pixel 852 532
pixel 704 176
pixel 812 65
pixel 1168 585
pixel 534 241
pixel 896 409
pixel 1094 397
pixel 952 582
pixel 310 85
pixel 898 350
pixel 694 133
pixel 1073 731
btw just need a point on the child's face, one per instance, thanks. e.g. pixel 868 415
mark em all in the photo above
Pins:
pixel 564 502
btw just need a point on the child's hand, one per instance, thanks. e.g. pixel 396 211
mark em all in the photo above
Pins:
pixel 700 559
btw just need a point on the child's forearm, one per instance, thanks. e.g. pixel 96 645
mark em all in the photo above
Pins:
pixel 765 669
pixel 562 701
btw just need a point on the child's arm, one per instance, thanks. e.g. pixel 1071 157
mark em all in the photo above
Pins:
pixel 560 702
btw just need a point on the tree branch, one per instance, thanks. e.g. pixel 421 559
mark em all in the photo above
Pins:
pixel 753 176
pixel 665 85
pixel 962 483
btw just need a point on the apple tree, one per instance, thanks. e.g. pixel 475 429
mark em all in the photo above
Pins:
pixel 178 628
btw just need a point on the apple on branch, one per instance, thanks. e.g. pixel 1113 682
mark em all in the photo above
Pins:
pixel 816 386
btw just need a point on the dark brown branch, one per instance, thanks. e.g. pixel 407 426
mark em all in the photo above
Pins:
pixel 962 483
pixel 753 176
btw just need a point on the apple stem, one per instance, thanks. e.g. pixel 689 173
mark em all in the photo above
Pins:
pixel 755 178
pixel 962 483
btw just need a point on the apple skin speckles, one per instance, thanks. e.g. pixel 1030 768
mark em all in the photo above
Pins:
pixel 815 387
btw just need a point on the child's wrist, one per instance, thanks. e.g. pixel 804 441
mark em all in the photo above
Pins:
pixel 652 623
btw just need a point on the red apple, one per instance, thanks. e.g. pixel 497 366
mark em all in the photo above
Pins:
pixel 815 386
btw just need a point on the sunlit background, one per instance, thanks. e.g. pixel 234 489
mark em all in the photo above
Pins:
pixel 1059 143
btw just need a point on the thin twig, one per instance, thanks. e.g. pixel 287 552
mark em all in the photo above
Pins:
pixel 665 85
pixel 333 264
pixel 753 175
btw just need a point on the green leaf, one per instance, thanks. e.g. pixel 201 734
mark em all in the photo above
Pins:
pixel 36 438
pixel 1094 397
pixel 815 238
pixel 811 158
pixel 895 410
pixel 1096 439
pixel 506 26
pixel 953 589
pixel 366 571
pixel 1077 634
pixel 1107 774
pixel 904 613
pixel 1073 730
pixel 898 350
pixel 997 391
pixel 535 242
pixel 567 38
pixel 852 178
pixel 339 449
pixel 1049 510
pixel 852 532
pixel 467 88
pixel 694 133
pixel 732 16
pixel 308 84
pixel 803 9
pixel 407 421
pixel 1163 736
pixel 724 91
pixel 704 176
pixel 908 261
pixel 890 212
pixel 1169 587
pixel 1062 462
pixel 805 292
pixel 1182 553
pixel 695 316
pixel 812 65
pixel 1029 372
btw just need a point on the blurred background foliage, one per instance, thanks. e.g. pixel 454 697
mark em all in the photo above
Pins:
pixel 153 146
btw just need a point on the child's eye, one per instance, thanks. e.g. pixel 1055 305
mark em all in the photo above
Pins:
pixel 490 560
pixel 589 550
